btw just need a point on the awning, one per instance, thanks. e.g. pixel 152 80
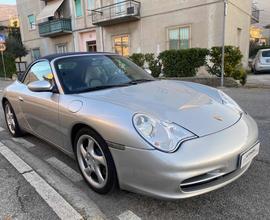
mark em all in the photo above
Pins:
pixel 50 9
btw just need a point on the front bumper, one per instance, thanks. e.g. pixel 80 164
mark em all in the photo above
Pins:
pixel 168 175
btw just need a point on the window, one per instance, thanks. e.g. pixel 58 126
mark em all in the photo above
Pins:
pixel 38 72
pixel 61 48
pixel 91 46
pixel 78 8
pixel 32 22
pixel 36 53
pixel 121 6
pixel 266 53
pixel 91 4
pixel 121 45
pixel 179 38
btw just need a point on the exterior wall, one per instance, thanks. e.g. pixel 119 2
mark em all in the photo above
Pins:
pixel 31 38
pixel 150 33
pixel 82 24
pixel 238 25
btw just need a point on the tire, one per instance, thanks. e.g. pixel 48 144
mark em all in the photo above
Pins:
pixel 11 121
pixel 95 161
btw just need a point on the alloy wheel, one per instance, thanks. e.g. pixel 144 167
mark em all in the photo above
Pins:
pixel 11 123
pixel 92 161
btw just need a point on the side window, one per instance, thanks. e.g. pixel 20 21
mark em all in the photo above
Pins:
pixel 39 71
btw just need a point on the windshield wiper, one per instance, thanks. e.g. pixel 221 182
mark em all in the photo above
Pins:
pixel 102 87
pixel 132 82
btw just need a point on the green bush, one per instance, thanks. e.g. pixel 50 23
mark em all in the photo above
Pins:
pixel 153 64
pixel 138 58
pixel 240 74
pixel 183 63
pixel 233 57
pixel 9 64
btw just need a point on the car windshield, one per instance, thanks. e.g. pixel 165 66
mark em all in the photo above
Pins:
pixel 79 74
pixel 266 53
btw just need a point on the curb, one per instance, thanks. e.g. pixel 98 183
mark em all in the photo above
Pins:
pixel 258 86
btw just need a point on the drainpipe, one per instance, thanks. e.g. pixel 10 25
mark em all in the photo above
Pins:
pixel 223 42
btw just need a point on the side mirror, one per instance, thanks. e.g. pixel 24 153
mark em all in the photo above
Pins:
pixel 40 86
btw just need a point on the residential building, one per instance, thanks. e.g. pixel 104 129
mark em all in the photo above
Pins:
pixel 130 26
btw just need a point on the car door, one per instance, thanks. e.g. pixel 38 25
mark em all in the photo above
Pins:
pixel 40 109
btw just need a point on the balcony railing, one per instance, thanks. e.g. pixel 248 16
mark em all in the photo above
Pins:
pixel 54 28
pixel 116 13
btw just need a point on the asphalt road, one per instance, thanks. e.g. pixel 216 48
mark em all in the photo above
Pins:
pixel 246 198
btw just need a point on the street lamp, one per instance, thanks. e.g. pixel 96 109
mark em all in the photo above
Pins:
pixel 223 42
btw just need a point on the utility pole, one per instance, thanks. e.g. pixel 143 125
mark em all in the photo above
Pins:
pixel 223 42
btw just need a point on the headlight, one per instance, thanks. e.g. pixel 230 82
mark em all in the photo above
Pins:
pixel 164 136
pixel 227 100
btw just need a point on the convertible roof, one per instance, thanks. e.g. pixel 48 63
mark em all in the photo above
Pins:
pixel 57 55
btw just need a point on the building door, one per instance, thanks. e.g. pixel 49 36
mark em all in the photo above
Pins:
pixel 91 46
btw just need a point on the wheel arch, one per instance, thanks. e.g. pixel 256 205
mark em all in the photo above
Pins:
pixel 4 99
pixel 76 128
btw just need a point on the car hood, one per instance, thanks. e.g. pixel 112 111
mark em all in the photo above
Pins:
pixel 195 107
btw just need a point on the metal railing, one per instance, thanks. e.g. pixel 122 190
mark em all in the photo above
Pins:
pixel 125 9
pixel 52 27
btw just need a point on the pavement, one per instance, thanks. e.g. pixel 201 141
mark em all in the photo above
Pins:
pixel 246 198
pixel 259 80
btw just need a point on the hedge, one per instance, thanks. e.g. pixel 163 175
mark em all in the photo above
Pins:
pixel 183 63
pixel 138 58
pixel 152 62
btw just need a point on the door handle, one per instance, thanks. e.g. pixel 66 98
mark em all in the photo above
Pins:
pixel 21 98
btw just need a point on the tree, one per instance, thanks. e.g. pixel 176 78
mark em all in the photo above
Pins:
pixel 14 43
pixel 15 48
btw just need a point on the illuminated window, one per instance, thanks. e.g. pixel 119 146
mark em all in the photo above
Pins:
pixel 121 45
pixel 179 38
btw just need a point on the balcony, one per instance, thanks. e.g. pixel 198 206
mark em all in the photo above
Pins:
pixel 116 13
pixel 53 28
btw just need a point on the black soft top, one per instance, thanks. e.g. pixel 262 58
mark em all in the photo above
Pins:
pixel 57 55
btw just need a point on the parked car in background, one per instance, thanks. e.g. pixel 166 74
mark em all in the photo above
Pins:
pixel 261 62
pixel 164 138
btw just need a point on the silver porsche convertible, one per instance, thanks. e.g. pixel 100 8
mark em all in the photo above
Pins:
pixel 163 138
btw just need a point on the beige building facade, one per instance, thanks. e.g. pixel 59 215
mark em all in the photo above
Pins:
pixel 128 27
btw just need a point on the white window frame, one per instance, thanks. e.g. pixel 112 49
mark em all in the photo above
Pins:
pixel 31 26
pixel 189 26
pixel 32 53
pixel 61 45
